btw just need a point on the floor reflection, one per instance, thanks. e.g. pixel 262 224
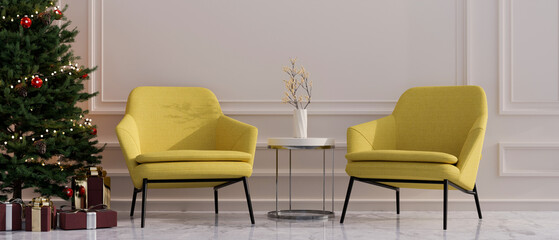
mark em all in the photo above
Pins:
pixel 358 225
pixel 223 233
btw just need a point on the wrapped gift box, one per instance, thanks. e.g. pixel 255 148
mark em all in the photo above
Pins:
pixel 39 219
pixel 40 216
pixel 95 188
pixel 98 188
pixel 10 216
pixel 79 199
pixel 90 219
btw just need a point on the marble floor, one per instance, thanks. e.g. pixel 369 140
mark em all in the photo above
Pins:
pixel 358 225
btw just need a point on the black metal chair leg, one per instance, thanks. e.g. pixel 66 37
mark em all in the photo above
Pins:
pixel 351 179
pixel 215 201
pixel 445 202
pixel 144 198
pixel 249 202
pixel 477 202
pixel 398 201
pixel 133 201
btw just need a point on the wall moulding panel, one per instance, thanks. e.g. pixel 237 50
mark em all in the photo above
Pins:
pixel 529 57
pixel 239 56
pixel 529 159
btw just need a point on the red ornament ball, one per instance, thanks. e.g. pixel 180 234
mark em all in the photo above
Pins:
pixel 25 22
pixel 84 76
pixel 68 192
pixel 36 82
pixel 94 131
pixel 57 14
pixel 81 191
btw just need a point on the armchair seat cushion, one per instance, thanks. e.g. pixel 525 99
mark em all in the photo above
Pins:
pixel 408 171
pixel 189 170
pixel 193 155
pixel 402 156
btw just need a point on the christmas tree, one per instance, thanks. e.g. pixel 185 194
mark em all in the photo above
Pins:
pixel 44 137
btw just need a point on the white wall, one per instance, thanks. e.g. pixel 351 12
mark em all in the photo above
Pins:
pixel 361 55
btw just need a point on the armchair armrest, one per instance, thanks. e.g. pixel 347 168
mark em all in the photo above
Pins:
pixel 235 135
pixel 128 137
pixel 377 134
pixel 470 155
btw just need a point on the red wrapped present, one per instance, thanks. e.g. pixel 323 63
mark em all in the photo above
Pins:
pixel 98 187
pixel 87 219
pixel 39 216
pixel 10 216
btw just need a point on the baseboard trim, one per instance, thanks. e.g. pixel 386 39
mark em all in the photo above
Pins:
pixel 354 205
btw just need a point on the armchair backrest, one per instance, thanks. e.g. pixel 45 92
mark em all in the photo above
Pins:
pixel 172 118
pixel 439 118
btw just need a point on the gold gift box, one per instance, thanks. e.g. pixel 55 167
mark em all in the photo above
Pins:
pixel 96 188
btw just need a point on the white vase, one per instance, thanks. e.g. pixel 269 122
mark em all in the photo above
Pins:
pixel 300 123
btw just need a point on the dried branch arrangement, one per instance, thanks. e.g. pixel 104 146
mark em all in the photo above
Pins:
pixel 298 87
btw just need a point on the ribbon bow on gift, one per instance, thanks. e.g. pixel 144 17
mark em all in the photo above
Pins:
pixel 39 202
pixel 96 171
pixel 14 200
pixel 96 208
pixel 85 172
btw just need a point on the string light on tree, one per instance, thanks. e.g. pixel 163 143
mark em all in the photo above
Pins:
pixel 37 82
pixel 87 127
pixel 56 12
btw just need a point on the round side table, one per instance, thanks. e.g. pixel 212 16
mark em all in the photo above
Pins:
pixel 303 143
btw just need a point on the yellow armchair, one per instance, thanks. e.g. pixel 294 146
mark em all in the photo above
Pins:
pixel 177 137
pixel 433 139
